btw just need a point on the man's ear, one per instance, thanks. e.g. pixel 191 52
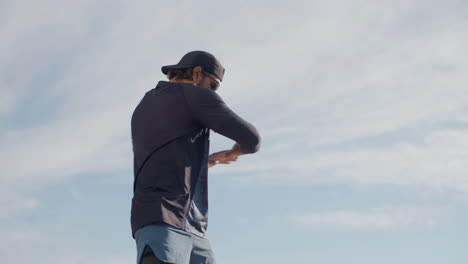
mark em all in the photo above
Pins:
pixel 197 74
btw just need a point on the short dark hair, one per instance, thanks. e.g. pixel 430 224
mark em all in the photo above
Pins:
pixel 180 74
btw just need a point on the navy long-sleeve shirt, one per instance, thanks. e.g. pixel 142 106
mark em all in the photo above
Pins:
pixel 170 136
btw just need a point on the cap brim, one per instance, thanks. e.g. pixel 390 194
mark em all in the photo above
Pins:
pixel 166 68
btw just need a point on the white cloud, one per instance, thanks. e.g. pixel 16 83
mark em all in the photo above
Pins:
pixel 438 162
pixel 310 76
pixel 374 219
pixel 53 149
pixel 368 111
pixel 13 205
pixel 18 236
pixel 97 259
pixel 47 247
pixel 35 36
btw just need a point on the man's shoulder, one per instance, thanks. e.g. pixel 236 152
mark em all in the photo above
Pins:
pixel 192 94
pixel 196 93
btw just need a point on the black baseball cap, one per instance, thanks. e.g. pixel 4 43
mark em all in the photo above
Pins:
pixel 206 60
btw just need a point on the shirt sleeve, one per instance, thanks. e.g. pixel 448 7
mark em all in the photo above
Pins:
pixel 209 109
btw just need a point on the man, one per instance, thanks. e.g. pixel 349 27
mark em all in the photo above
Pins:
pixel 170 136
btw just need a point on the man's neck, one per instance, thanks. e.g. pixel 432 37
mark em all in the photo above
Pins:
pixel 181 80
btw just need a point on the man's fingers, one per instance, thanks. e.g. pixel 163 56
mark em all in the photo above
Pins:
pixel 223 157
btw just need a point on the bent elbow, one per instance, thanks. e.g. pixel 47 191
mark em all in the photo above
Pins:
pixel 253 145
pixel 256 145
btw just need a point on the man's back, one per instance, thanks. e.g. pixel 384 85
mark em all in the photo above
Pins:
pixel 170 135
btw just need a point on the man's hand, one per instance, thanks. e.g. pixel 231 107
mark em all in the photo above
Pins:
pixel 225 156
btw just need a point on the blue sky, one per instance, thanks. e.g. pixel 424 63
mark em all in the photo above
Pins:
pixel 362 107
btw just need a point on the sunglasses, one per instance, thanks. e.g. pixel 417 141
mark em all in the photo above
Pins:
pixel 214 86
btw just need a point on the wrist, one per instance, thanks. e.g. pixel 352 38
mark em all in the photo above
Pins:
pixel 237 149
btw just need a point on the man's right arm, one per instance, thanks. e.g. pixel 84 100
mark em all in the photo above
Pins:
pixel 209 109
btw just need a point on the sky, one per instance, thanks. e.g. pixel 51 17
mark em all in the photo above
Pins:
pixel 362 107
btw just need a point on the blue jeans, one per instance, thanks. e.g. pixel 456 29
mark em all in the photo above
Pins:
pixel 162 243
